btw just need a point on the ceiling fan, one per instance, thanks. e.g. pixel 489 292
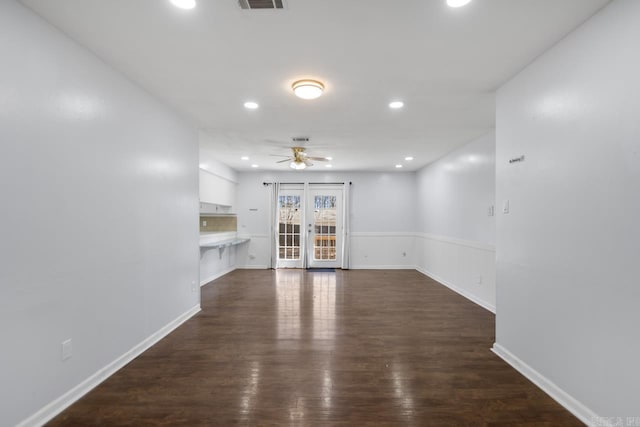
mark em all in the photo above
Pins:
pixel 300 160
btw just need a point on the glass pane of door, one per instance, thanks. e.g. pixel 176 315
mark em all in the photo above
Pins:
pixel 290 216
pixel 324 224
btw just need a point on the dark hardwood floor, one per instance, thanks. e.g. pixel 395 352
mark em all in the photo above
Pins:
pixel 364 347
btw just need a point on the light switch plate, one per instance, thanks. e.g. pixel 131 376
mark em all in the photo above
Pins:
pixel 505 207
pixel 67 350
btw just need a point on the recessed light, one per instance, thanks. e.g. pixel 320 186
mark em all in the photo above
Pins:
pixel 328 166
pixel 457 3
pixel 308 89
pixel 329 158
pixel 184 4
pixel 244 158
pixel 408 158
pixel 396 104
pixel 255 166
pixel 398 166
pixel 250 105
pixel 202 166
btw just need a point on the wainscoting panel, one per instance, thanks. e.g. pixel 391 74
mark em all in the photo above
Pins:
pixel 464 266
pixel 382 250
pixel 256 253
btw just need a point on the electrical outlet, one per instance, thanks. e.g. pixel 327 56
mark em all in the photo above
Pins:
pixel 490 211
pixel 193 286
pixel 479 280
pixel 67 350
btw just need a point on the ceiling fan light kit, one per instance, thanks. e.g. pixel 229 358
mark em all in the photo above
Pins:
pixel 297 165
pixel 308 89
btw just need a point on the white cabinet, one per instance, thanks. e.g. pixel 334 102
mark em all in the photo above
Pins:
pixel 216 191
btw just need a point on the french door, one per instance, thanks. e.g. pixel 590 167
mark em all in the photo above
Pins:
pixel 309 226
pixel 324 226
pixel 290 227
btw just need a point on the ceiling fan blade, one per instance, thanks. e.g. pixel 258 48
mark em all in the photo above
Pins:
pixel 285 160
pixel 278 155
pixel 320 159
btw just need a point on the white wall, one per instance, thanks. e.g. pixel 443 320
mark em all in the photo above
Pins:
pixel 98 225
pixel 455 243
pixel 382 216
pixel 456 191
pixel 568 289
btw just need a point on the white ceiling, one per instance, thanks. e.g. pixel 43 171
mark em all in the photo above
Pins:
pixel 444 63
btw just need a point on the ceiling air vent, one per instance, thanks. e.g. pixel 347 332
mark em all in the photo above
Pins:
pixel 261 4
pixel 300 139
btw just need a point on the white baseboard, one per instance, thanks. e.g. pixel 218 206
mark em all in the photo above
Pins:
pixel 217 275
pixel 382 267
pixel 458 290
pixel 583 413
pixel 253 267
pixel 53 408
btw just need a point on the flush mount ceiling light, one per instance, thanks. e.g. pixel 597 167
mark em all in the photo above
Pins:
pixel 398 166
pixel 408 158
pixel 396 104
pixel 244 158
pixel 297 165
pixel 308 89
pixel 250 105
pixel 457 3
pixel 184 4
pixel 255 166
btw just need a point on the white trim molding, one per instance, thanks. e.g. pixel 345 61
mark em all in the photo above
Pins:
pixel 571 404
pixel 460 242
pixel 458 290
pixel 49 411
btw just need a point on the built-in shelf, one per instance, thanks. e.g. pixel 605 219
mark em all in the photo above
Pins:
pixel 224 243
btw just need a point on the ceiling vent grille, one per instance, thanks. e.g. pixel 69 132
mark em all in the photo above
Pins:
pixel 300 139
pixel 261 4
